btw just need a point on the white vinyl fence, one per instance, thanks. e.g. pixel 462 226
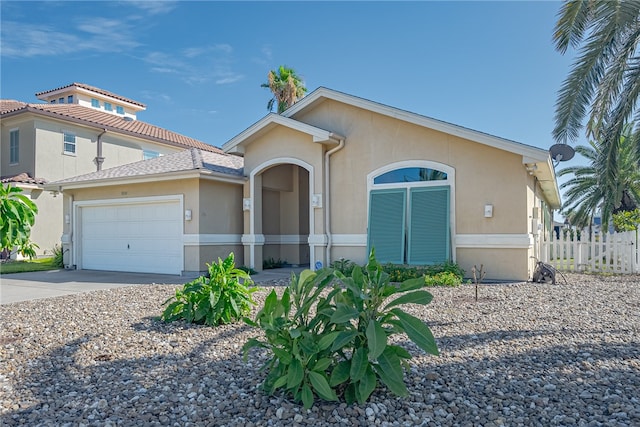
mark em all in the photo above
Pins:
pixel 598 252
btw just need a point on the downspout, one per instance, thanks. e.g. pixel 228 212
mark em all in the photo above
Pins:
pixel 99 159
pixel 327 199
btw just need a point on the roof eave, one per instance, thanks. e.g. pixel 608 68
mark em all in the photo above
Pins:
pixel 96 126
pixel 545 174
pixel 141 179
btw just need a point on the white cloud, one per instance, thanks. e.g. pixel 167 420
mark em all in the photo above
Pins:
pixel 229 79
pixel 153 7
pixel 193 52
pixel 155 96
pixel 28 40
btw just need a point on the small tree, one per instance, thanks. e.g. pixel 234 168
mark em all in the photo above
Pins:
pixel 17 216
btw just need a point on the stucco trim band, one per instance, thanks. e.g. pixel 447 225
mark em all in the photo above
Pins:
pixel 211 239
pixel 496 241
pixel 285 239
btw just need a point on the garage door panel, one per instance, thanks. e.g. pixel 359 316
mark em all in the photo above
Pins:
pixel 133 237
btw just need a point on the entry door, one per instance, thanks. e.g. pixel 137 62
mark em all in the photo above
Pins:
pixel 142 237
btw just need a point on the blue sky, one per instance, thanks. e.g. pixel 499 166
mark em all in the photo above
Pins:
pixel 489 66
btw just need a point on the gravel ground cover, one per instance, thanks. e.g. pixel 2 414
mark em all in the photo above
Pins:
pixel 524 354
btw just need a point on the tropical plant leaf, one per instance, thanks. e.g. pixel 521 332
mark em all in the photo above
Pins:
pixel 366 385
pixel 340 373
pixel 417 297
pixel 321 386
pixel 376 339
pixel 359 363
pixel 417 331
pixel 295 374
pixel 306 396
pixel 390 372
pixel 344 313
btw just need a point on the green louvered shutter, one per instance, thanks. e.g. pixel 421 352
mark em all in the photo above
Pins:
pixel 387 211
pixel 428 225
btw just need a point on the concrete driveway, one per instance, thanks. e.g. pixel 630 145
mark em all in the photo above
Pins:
pixel 53 283
pixel 45 284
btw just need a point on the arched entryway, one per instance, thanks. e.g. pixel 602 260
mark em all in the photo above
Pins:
pixel 280 219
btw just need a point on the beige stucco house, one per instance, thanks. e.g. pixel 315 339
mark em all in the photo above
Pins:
pixel 76 129
pixel 330 178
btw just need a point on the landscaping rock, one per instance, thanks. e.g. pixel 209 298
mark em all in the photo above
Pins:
pixel 525 354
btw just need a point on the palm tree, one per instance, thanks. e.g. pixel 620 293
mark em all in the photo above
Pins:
pixel 606 75
pixel 287 88
pixel 609 187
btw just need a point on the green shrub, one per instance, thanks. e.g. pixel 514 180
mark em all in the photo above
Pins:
pixel 344 266
pixel 327 336
pixel 58 259
pixel 225 295
pixel 444 278
pixel 400 273
pixel 271 262
pixel 250 271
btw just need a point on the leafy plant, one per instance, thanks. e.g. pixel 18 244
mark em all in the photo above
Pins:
pixel 627 220
pixel 271 262
pixel 17 216
pixel 400 273
pixel 247 270
pixel 58 256
pixel 445 278
pixel 328 334
pixel 225 295
pixel 344 266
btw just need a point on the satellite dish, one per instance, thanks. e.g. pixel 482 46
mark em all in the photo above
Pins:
pixel 561 152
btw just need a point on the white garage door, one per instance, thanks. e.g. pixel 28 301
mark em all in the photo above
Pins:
pixel 142 237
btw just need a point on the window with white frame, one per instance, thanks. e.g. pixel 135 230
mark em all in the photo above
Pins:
pixel 70 99
pixel 61 101
pixel 409 213
pixel 95 103
pixel 14 146
pixel 119 109
pixel 69 143
pixel 107 106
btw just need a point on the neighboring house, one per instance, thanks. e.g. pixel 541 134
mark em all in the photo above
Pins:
pixel 78 129
pixel 330 178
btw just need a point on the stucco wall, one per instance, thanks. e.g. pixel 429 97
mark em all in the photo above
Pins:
pixel 483 175
pixel 26 151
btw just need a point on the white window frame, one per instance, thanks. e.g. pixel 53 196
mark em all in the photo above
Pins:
pixel 426 164
pixel 65 142
pixel 95 103
pixel 14 146
pixel 119 109
pixel 108 106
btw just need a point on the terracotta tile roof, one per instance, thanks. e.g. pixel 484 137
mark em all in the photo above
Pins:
pixel 93 89
pixel 99 119
pixel 23 178
pixel 183 161
pixel 8 105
